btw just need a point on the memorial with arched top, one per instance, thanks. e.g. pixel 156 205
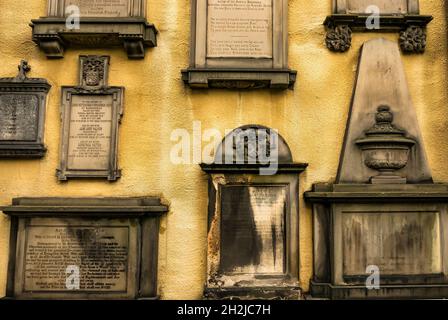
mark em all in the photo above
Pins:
pixel 253 225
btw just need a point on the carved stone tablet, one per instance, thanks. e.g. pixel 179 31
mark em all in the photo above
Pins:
pixel 239 44
pixel 100 253
pixel 239 29
pixel 91 115
pixel 22 112
pixel 83 248
pixel 253 230
pixel 90 132
pixel 19 117
pixel 101 8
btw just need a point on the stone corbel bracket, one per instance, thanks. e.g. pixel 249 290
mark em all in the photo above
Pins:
pixel 133 32
pixel 411 27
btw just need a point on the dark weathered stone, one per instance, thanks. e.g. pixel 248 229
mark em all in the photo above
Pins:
pixel 112 241
pixel 22 115
pixel 253 220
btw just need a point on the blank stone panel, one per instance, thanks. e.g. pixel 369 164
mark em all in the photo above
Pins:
pixel 407 243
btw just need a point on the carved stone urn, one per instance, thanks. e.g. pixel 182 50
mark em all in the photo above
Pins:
pixel 385 148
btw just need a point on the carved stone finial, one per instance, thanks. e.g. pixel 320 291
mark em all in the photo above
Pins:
pixel 385 148
pixel 339 38
pixel 413 40
pixel 24 68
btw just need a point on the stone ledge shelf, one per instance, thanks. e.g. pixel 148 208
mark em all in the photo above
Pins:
pixel 134 34
pixel 228 78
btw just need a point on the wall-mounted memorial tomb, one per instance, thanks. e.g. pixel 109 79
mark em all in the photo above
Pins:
pixel 94 23
pixel 87 248
pixel 380 230
pixel 239 44
pixel 90 114
pixel 253 218
pixel 400 16
pixel 22 115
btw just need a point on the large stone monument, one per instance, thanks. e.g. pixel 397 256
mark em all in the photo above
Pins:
pixel 91 114
pixel 83 248
pixel 94 23
pixel 383 218
pixel 253 235
pixel 239 44
pixel 22 115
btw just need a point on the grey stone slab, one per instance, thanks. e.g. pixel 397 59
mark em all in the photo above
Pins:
pixel 22 115
pixel 116 256
pixel 239 45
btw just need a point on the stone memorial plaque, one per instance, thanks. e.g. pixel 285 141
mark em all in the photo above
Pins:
pixel 406 243
pixel 239 29
pixel 84 248
pixel 91 114
pixel 253 229
pixel 100 253
pixel 385 6
pixel 101 8
pixel 19 115
pixel 22 115
pixel 90 132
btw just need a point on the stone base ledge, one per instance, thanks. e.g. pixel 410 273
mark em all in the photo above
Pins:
pixel 239 78
pixel 134 34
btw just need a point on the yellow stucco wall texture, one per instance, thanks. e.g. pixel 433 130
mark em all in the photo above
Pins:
pixel 311 118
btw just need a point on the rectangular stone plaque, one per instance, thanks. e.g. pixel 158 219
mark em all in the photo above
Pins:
pixel 385 6
pixel 90 132
pixel 19 117
pixel 407 243
pixel 100 253
pixel 101 8
pixel 239 29
pixel 253 229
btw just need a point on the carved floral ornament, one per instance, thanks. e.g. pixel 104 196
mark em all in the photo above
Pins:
pixel 350 16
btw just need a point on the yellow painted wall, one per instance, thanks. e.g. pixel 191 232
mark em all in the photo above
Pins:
pixel 311 118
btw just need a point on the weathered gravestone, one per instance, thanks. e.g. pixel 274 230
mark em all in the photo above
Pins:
pixel 22 115
pixel 91 114
pixel 253 248
pixel 83 248
pixel 380 230
pixel 239 44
